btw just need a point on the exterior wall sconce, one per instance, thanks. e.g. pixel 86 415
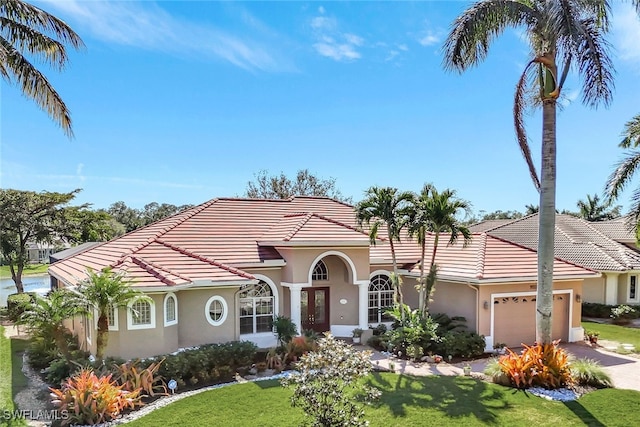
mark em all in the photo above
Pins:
pixel 578 298
pixel 485 305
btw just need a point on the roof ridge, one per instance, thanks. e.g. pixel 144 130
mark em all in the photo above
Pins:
pixel 481 256
pixel 159 267
pixel 205 259
pixel 151 269
pixel 507 223
pixel 335 221
pixel 298 226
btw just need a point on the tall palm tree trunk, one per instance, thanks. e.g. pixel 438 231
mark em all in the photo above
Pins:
pixel 422 284
pixel 431 278
pixel 546 225
pixel 396 278
pixel 103 335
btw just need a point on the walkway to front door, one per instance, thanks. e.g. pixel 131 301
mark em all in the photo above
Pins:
pixel 314 309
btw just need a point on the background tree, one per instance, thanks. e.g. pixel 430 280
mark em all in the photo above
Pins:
pixel 386 207
pixel 562 34
pixel 103 291
pixel 626 169
pixel 93 226
pixel 435 212
pixel 280 186
pixel 46 315
pixel 153 211
pixel 531 209
pixel 26 30
pixel 593 209
pixel 27 216
pixel 130 218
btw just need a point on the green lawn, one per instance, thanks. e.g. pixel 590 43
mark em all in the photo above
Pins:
pixel 11 378
pixel 406 401
pixel 29 270
pixel 620 334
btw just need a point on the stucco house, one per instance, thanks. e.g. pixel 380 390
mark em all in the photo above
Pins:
pixel 220 271
pixel 604 246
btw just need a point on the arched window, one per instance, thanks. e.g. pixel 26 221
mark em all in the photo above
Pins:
pixel 141 315
pixel 380 298
pixel 320 271
pixel 170 309
pixel 256 308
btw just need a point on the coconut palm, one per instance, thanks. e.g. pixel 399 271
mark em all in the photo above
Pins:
pixel 386 207
pixel 563 35
pixel 627 167
pixel 46 316
pixel 26 30
pixel 594 209
pixel 435 212
pixel 102 292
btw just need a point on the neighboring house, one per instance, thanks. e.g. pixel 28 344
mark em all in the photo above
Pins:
pixel 604 246
pixel 39 252
pixel 222 270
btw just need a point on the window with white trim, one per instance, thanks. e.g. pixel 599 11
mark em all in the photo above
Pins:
pixel 320 271
pixel 632 289
pixel 256 304
pixel 215 310
pixel 112 318
pixel 380 298
pixel 170 309
pixel 141 314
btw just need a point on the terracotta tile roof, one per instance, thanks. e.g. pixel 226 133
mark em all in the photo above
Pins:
pixel 209 243
pixel 617 229
pixel 576 240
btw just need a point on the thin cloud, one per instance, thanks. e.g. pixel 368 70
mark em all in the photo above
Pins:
pixel 626 31
pixel 333 43
pixel 146 25
pixel 429 39
pixel 79 171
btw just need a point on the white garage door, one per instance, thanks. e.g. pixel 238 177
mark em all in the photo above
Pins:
pixel 515 319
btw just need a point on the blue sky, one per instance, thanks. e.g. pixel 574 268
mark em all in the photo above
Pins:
pixel 181 102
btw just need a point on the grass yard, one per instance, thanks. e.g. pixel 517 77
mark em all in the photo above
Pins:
pixel 406 401
pixel 11 378
pixel 620 334
pixel 29 270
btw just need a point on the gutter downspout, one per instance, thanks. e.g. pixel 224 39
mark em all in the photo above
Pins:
pixel 477 305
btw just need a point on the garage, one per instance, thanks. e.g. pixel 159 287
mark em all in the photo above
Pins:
pixel 514 318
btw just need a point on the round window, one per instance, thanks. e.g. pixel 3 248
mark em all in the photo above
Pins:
pixel 215 310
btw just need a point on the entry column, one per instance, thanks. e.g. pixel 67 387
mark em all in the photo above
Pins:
pixel 363 303
pixel 295 292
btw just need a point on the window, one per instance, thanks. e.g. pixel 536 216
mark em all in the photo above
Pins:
pixel 632 294
pixel 256 309
pixel 141 315
pixel 170 309
pixel 320 271
pixel 380 298
pixel 215 310
pixel 112 318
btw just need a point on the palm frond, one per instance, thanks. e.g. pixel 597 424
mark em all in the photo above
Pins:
pixel 519 104
pixel 631 133
pixel 26 39
pixel 473 32
pixel 624 171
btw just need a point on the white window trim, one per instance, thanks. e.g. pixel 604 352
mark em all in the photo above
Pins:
pixel 637 298
pixel 225 310
pixel 115 325
pixel 152 309
pixel 168 322
pixel 373 274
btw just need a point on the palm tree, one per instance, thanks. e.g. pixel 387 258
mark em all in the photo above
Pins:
pixel 434 212
pixel 102 292
pixel 531 209
pixel 28 30
pixel 627 167
pixel 389 208
pixel 46 316
pixel 593 209
pixel 563 34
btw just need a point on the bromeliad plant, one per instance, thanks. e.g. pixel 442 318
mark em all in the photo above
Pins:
pixel 133 377
pixel 544 365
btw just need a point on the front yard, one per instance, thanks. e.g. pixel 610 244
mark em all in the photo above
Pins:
pixel 11 378
pixel 615 333
pixel 29 270
pixel 406 401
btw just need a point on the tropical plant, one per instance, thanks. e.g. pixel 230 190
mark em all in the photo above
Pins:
pixel 627 167
pixel 589 372
pixel 562 34
pixel 285 329
pixel 435 212
pixel 103 292
pixel 46 315
pixel 411 327
pixel 133 377
pixel 622 314
pixel 386 207
pixel 494 370
pixel 544 365
pixel 26 30
pixel 89 399
pixel 328 387
pixel 593 209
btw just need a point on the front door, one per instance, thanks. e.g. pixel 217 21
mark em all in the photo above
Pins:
pixel 314 309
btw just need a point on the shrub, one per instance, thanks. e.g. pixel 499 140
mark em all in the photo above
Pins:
pixel 493 370
pixel 133 377
pixel 414 328
pixel 17 304
pixel 379 330
pixel 622 314
pixel 297 347
pixel 603 311
pixel 379 342
pixel 460 343
pixel 285 329
pixel 89 399
pixel 588 372
pixel 327 386
pixel 544 365
pixel 41 352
